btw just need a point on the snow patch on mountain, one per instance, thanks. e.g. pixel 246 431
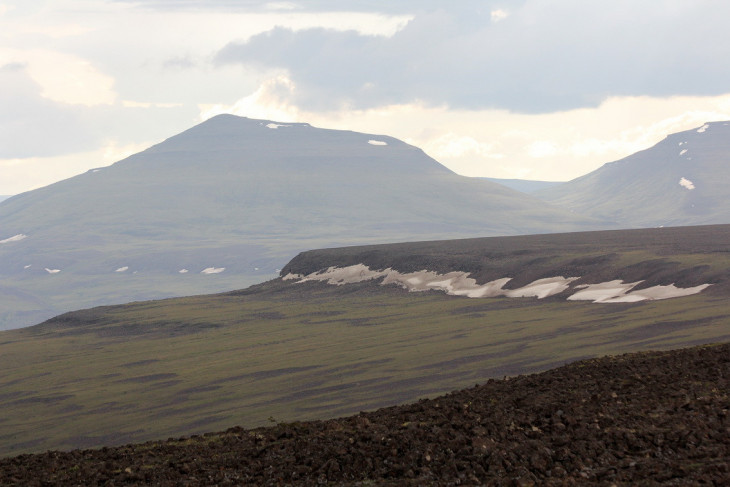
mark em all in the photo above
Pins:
pixel 703 128
pixel 212 270
pixel 686 183
pixel 460 284
pixel 14 238
pixel 276 125
pixel 52 271
pixel 684 151
pixel 122 269
pixel 377 142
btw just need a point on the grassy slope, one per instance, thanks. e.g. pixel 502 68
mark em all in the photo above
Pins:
pixel 156 369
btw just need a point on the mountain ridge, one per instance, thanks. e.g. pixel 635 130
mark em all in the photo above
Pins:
pixel 244 196
pixel 679 181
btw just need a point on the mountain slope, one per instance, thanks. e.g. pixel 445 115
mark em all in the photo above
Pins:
pixel 227 203
pixel 682 180
pixel 642 419
pixel 525 185
pixel 310 350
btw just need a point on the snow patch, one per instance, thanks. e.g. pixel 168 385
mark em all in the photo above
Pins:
pixel 122 269
pixel 14 238
pixel 183 271
pixel 453 283
pixel 276 125
pixel 703 128
pixel 602 292
pixel 460 284
pixel 377 142
pixel 27 266
pixel 52 271
pixel 212 270
pixel 686 183
pixel 684 151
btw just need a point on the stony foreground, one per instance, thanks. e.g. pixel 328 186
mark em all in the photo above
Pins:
pixel 655 418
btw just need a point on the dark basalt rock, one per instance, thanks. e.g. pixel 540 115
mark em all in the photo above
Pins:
pixel 654 418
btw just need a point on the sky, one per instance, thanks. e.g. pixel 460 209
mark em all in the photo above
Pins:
pixel 529 89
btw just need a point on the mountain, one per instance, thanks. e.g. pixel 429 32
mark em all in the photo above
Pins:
pixel 682 180
pixel 4 197
pixel 329 338
pixel 226 204
pixel 524 185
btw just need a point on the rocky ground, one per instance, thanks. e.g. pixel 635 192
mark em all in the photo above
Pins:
pixel 656 418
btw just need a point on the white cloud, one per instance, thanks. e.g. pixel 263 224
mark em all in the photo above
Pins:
pixel 64 78
pixel 542 148
pixel 498 15
pixel 452 145
pixel 269 101
pixel 281 6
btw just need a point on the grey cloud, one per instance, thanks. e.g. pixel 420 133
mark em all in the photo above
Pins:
pixel 32 126
pixel 544 56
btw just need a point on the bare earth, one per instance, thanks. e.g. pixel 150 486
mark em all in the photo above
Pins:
pixel 654 418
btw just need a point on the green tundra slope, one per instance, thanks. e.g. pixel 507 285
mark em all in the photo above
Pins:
pixel 282 351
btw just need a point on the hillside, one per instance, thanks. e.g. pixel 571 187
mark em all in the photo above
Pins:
pixel 682 180
pixel 525 185
pixel 311 350
pixel 226 204
pixel 649 418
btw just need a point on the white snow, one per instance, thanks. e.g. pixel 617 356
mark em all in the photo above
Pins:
pixel 212 270
pixel 602 292
pixel 686 183
pixel 542 288
pixel 122 269
pixel 460 284
pixel 659 292
pixel 183 271
pixel 27 266
pixel 52 271
pixel 703 128
pixel 377 142
pixel 276 125
pixel 14 238
pixel 453 283
pixel 684 151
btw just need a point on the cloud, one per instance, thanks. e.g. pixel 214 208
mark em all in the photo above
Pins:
pixel 498 14
pixel 542 57
pixel 32 125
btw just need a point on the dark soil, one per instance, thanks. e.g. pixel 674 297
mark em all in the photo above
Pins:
pixel 655 418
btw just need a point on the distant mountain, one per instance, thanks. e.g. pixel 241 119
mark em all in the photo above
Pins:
pixel 4 197
pixel 226 204
pixel 682 180
pixel 525 185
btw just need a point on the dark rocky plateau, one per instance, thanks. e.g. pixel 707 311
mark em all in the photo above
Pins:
pixel 652 418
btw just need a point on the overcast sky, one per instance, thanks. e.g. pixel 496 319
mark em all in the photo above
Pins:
pixel 532 89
